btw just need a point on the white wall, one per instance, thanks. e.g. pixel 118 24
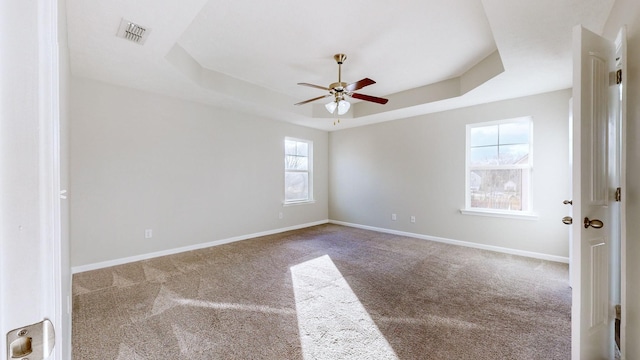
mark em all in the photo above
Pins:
pixel 192 173
pixel 627 12
pixel 417 167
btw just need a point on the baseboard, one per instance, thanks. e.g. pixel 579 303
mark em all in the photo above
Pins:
pixel 530 254
pixel 104 264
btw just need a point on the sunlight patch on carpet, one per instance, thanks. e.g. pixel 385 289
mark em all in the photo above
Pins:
pixel 431 320
pixel 332 322
pixel 235 307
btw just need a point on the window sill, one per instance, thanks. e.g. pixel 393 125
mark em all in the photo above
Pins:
pixel 294 203
pixel 508 215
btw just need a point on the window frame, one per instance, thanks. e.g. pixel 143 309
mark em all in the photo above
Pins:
pixel 309 172
pixel 527 213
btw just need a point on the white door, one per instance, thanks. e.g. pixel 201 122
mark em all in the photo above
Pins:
pixel 595 226
pixel 30 280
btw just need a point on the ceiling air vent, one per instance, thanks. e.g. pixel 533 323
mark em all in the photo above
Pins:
pixel 133 32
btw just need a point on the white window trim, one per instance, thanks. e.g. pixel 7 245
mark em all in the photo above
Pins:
pixel 528 214
pixel 523 215
pixel 311 199
pixel 297 202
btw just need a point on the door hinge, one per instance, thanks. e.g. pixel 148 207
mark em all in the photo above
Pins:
pixel 618 194
pixel 615 77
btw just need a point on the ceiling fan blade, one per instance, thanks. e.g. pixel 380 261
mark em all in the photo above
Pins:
pixel 314 99
pixel 369 98
pixel 359 84
pixel 315 86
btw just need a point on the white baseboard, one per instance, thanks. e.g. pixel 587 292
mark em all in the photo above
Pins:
pixel 530 254
pixel 104 264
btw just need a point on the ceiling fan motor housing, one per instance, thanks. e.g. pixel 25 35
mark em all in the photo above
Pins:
pixel 338 86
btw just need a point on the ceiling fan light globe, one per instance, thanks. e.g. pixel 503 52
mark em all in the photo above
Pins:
pixel 331 107
pixel 343 107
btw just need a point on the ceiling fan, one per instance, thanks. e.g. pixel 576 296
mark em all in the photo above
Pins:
pixel 338 90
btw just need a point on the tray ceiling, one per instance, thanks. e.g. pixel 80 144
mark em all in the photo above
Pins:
pixel 247 56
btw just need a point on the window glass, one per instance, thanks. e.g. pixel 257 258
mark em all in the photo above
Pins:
pixel 497 189
pixel 514 133
pixel 485 135
pixel 513 154
pixel 297 186
pixel 499 166
pixel 485 155
pixel 297 174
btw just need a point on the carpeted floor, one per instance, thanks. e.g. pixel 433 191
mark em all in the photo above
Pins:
pixel 326 292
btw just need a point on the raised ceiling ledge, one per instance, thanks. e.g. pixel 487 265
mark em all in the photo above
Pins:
pixel 234 89
pixel 486 69
pixel 254 95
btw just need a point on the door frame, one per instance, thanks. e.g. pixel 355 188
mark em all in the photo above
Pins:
pixel 621 51
pixel 50 150
pixel 32 113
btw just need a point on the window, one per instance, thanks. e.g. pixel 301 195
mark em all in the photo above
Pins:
pixel 499 166
pixel 298 163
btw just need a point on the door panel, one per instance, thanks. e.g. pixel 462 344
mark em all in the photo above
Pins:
pixel 593 62
pixel 597 122
pixel 598 282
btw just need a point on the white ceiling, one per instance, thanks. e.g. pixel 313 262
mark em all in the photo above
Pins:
pixel 248 55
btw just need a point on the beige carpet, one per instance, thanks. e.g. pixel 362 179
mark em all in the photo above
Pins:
pixel 326 292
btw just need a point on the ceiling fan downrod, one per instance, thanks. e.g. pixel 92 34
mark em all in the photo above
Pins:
pixel 340 58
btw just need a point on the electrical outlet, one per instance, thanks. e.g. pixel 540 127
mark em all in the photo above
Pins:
pixel 394 217
pixel 148 233
pixel 413 219
pixel 280 215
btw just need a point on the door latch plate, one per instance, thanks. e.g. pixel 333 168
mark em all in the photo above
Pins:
pixel 33 342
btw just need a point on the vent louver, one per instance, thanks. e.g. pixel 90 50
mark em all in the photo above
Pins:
pixel 133 32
